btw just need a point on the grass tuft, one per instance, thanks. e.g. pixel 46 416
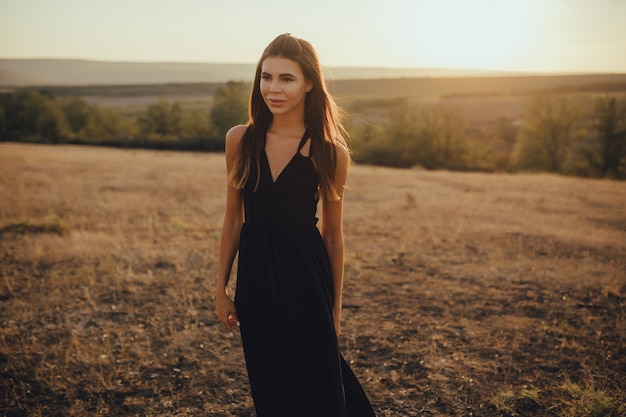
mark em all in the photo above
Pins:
pixel 504 402
pixel 50 224
pixel 589 401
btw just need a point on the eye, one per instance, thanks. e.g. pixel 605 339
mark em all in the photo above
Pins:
pixel 266 77
pixel 287 79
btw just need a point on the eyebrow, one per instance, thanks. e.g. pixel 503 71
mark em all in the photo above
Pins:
pixel 287 74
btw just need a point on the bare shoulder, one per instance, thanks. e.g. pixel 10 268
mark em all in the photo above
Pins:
pixel 235 134
pixel 233 139
pixel 343 155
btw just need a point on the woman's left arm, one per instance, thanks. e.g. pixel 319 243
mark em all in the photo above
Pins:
pixel 332 231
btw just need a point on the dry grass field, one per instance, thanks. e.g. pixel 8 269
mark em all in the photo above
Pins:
pixel 465 294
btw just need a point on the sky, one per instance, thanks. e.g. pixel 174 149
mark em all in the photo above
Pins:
pixel 553 36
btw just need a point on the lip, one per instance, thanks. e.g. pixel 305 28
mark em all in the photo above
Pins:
pixel 275 102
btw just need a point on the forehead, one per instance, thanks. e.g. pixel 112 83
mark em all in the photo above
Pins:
pixel 278 65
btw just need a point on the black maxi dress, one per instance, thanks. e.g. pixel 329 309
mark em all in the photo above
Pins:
pixel 284 298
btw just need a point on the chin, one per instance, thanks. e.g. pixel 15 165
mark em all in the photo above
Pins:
pixel 279 111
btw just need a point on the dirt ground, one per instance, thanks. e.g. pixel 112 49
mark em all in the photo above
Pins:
pixel 465 294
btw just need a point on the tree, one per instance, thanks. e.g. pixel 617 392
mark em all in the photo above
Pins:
pixel 4 121
pixel 486 150
pixel 432 137
pixel 162 119
pixel 33 115
pixel 442 130
pixel 106 126
pixel 399 145
pixel 77 113
pixel 609 132
pixel 51 123
pixel 20 110
pixel 546 133
pixel 230 107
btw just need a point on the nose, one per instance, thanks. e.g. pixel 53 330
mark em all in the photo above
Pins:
pixel 275 86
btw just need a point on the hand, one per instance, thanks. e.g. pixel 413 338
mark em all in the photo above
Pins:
pixel 226 312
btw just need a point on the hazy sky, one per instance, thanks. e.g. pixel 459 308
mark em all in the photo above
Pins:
pixel 526 35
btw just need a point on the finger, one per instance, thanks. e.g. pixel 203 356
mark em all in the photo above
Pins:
pixel 233 321
pixel 227 323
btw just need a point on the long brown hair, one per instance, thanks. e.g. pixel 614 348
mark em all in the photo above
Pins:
pixel 321 117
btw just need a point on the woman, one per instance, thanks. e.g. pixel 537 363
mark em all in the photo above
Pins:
pixel 289 277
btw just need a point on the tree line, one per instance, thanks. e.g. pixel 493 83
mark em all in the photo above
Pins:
pixel 560 133
pixel 30 115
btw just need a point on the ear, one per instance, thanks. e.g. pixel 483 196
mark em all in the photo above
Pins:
pixel 308 86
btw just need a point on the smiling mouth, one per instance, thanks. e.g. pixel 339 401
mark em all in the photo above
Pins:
pixel 275 102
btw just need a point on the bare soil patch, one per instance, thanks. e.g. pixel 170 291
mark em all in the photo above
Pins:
pixel 465 294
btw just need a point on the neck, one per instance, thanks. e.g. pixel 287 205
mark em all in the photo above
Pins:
pixel 287 123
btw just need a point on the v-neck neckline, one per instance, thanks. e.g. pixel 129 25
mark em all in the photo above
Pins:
pixel 303 140
pixel 269 167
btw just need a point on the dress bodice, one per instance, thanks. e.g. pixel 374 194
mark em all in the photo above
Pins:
pixel 289 201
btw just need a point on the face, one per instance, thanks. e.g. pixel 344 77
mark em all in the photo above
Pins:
pixel 283 85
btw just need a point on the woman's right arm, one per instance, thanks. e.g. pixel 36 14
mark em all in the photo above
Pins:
pixel 229 240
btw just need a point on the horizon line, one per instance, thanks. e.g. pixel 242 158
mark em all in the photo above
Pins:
pixel 351 66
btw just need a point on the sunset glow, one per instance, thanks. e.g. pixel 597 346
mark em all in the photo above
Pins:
pixel 513 35
pixel 477 34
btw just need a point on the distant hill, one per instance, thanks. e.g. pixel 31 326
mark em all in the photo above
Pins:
pixel 43 72
pixel 375 88
pixel 451 87
pixel 64 72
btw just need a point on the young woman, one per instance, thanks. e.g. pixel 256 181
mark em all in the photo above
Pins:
pixel 289 277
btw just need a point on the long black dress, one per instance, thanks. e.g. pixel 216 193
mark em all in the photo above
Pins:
pixel 284 300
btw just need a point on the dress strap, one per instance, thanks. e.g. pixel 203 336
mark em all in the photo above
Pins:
pixel 305 137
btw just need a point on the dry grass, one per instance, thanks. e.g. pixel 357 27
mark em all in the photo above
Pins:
pixel 466 294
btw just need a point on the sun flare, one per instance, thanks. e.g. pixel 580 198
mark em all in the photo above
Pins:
pixel 482 34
